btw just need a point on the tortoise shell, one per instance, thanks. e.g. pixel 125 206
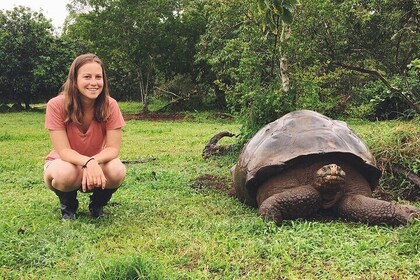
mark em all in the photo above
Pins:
pixel 295 137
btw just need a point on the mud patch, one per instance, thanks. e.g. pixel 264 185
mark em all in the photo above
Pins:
pixel 156 117
pixel 212 182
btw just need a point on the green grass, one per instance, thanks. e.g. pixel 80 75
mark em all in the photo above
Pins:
pixel 168 228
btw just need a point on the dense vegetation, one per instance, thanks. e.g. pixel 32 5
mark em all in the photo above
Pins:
pixel 180 223
pixel 258 58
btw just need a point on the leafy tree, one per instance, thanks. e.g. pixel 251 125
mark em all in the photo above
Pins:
pixel 343 57
pixel 25 40
pixel 243 58
pixel 276 17
pixel 141 41
pixel 51 71
pixel 348 46
pixel 232 56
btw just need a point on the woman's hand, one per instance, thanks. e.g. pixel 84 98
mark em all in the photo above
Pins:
pixel 93 176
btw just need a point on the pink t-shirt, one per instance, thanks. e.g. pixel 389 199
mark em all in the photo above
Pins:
pixel 89 143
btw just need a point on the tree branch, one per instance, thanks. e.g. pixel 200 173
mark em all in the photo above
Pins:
pixel 169 92
pixel 212 148
pixel 412 103
pixel 411 176
pixel 134 161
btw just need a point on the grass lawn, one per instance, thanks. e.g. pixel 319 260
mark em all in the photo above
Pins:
pixel 172 226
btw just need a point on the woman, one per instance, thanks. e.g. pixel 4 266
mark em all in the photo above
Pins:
pixel 84 124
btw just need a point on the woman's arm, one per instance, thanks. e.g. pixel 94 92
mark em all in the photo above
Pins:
pixel 61 145
pixel 112 146
pixel 92 173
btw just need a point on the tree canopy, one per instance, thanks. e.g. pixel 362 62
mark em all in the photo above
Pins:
pixel 259 59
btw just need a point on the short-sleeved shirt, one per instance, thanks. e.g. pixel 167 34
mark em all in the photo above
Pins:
pixel 89 143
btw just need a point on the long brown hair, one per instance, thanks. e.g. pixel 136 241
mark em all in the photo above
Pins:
pixel 72 100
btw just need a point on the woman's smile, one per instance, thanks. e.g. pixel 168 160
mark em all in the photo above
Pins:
pixel 90 80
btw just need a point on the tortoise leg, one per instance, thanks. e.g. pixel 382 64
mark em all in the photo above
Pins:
pixel 374 211
pixel 291 204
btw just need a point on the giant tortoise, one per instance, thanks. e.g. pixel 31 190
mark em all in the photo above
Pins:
pixel 304 162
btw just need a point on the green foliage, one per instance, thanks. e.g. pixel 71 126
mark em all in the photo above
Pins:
pixel 220 51
pixel 33 61
pixel 263 106
pixel 127 267
pixel 51 71
pixel 143 43
pixel 317 90
pixel 374 100
pixel 331 44
pixel 345 58
pixel 242 66
pixel 394 143
pixel 415 64
pixel 270 12
pixel 356 36
pixel 25 37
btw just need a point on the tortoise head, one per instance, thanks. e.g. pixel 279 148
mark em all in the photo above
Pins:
pixel 329 182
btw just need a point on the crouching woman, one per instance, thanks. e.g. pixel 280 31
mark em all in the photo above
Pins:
pixel 84 124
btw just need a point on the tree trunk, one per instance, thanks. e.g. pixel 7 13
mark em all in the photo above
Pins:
pixel 284 75
pixel 285 82
pixel 220 98
pixel 143 90
pixel 27 105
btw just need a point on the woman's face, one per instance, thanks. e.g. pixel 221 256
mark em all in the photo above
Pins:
pixel 90 81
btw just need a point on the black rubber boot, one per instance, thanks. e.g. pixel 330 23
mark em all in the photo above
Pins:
pixel 68 204
pixel 98 200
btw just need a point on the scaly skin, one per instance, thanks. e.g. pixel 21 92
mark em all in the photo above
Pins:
pixel 291 204
pixel 288 197
pixel 329 181
pixel 374 211
pixel 307 187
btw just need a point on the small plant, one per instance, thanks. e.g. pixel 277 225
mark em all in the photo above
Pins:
pixel 5 136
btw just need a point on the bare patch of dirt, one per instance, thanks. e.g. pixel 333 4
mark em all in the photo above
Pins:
pixel 155 116
pixel 212 182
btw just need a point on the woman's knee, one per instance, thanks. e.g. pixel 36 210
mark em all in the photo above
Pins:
pixel 115 172
pixel 63 176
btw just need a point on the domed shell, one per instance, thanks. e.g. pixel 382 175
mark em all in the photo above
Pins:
pixel 292 137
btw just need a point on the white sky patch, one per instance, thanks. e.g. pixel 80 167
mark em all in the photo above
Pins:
pixel 54 10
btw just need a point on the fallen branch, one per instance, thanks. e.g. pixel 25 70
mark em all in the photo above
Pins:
pixel 176 102
pixel 212 148
pixel 411 176
pixel 134 161
pixel 168 92
pixel 224 115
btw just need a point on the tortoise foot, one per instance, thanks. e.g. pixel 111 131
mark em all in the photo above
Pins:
pixel 291 204
pixel 374 211
pixel 408 212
